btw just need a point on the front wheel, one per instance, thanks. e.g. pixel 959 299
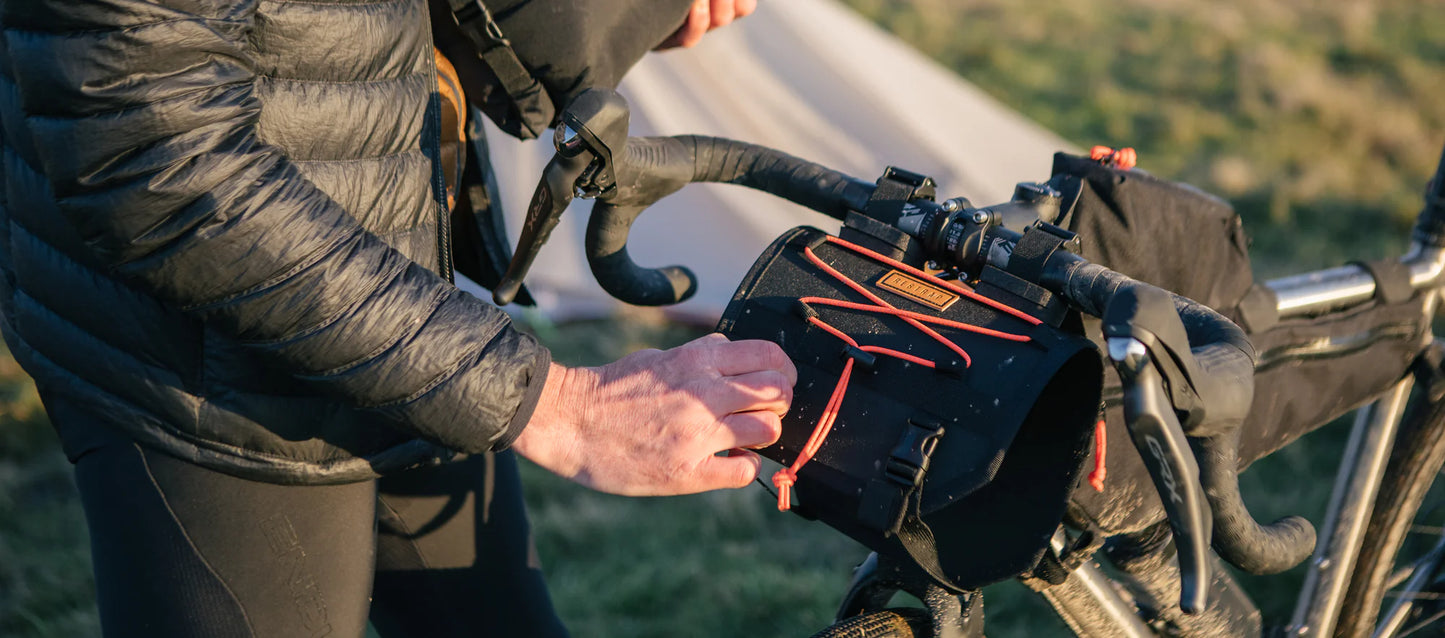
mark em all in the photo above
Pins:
pixel 889 623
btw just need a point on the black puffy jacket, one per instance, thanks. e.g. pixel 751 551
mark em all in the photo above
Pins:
pixel 219 235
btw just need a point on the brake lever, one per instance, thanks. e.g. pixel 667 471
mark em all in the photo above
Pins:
pixel 1155 431
pixel 1149 347
pixel 552 196
pixel 591 127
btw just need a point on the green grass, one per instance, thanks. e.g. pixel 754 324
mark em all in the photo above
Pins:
pixel 1320 121
pixel 45 582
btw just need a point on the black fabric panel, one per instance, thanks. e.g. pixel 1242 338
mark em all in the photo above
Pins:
pixel 1165 233
pixel 1259 310
pixel 1392 280
pixel 341 41
pixel 319 121
pixel 572 46
pixel 1313 370
pixel 181 551
pixel 455 555
pixel 39 261
pixel 184 551
pixel 150 579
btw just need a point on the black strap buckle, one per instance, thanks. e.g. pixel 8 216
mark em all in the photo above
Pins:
pixel 908 463
pixel 887 503
pixel 467 12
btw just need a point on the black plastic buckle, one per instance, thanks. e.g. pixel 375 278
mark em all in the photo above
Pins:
pixel 896 189
pixel 909 461
pixel 466 13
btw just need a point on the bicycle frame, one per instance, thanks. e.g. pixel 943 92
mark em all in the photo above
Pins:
pixel 1356 485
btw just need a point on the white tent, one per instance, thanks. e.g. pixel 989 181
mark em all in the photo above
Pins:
pixel 808 77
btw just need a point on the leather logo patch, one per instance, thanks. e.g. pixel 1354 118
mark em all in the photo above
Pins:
pixel 928 294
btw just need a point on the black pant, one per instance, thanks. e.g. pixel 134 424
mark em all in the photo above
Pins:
pixel 180 550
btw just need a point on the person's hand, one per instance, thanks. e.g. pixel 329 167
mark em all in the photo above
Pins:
pixel 652 423
pixel 705 16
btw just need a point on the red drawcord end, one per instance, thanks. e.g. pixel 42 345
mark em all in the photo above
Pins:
pixel 786 477
pixel 1127 158
pixel 1101 443
pixel 783 480
pixel 1124 158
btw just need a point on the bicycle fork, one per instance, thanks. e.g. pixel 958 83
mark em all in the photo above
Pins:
pixel 1142 601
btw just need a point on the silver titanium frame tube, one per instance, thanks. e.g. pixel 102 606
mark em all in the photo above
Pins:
pixel 1325 290
pixel 1351 504
pixel 1368 450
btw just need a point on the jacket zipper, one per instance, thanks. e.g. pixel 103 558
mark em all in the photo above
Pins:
pixel 445 262
pixel 444 243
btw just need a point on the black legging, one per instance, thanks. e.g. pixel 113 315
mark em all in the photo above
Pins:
pixel 180 550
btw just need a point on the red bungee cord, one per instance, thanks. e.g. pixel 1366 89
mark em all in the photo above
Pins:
pixel 1101 445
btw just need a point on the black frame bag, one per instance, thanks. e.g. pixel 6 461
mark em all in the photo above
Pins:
pixel 957 464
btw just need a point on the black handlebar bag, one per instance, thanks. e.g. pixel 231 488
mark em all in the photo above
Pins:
pixel 957 459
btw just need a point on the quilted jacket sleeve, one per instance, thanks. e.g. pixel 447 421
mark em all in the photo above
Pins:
pixel 145 118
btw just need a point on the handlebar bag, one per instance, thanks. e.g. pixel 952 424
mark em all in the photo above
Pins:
pixel 956 459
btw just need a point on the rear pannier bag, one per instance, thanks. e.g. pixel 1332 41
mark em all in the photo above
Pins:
pixel 977 444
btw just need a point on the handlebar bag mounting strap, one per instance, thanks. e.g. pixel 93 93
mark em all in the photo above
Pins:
pixel 958 465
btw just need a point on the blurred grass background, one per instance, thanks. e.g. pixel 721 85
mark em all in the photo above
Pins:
pixel 1320 121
